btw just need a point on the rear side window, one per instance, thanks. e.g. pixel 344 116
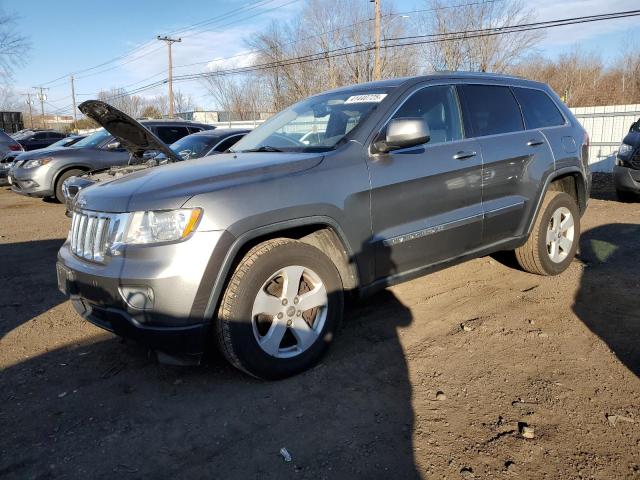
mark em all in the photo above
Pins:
pixel 228 143
pixel 491 110
pixel 538 109
pixel 171 134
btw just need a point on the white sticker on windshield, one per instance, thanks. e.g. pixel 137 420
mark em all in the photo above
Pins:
pixel 368 98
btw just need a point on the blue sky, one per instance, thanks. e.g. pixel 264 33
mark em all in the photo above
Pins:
pixel 73 35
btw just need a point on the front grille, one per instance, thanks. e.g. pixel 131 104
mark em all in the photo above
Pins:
pixel 90 232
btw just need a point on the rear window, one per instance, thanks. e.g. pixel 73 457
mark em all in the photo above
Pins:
pixel 491 110
pixel 538 109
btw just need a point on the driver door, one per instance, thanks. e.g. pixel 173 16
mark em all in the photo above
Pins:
pixel 426 201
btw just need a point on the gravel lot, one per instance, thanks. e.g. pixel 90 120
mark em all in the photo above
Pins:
pixel 436 378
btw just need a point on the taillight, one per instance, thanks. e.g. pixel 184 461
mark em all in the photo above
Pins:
pixel 15 147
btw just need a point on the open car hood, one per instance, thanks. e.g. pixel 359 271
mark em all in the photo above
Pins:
pixel 131 134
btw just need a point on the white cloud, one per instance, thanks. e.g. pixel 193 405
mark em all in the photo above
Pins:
pixel 574 34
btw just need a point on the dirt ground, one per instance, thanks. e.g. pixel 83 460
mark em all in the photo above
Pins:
pixel 436 378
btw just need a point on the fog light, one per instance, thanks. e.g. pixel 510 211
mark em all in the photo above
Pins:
pixel 139 298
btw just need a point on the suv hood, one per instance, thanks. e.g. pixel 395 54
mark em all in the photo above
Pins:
pixel 172 185
pixel 131 134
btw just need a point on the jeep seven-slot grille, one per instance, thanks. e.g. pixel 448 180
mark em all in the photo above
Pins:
pixel 90 235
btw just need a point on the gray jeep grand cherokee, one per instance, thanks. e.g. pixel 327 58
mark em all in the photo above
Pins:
pixel 255 249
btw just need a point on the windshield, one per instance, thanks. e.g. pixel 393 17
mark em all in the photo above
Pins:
pixel 60 143
pixel 93 140
pixel 317 124
pixel 193 146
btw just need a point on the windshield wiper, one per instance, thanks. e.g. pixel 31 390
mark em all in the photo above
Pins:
pixel 263 148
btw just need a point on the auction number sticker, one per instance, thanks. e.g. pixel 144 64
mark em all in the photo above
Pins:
pixel 368 98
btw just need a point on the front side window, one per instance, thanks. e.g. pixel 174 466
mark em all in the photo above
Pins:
pixel 171 134
pixel 317 124
pixel 492 109
pixel 538 109
pixel 40 136
pixel 437 105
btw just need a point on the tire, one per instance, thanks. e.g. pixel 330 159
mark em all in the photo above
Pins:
pixel 58 189
pixel 249 339
pixel 627 197
pixel 539 256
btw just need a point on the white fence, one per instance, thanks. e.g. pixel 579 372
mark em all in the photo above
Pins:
pixel 607 126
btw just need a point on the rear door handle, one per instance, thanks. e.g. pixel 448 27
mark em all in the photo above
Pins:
pixel 463 155
pixel 534 143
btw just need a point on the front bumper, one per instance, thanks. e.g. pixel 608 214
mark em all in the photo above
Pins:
pixel 626 179
pixel 33 182
pixel 175 273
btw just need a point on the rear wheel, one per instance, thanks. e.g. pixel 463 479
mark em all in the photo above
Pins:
pixel 58 190
pixel 554 239
pixel 280 310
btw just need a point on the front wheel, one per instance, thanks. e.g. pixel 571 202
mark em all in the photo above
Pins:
pixel 554 239
pixel 280 310
pixel 59 194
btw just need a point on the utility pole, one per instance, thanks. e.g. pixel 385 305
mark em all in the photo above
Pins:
pixel 376 52
pixel 73 100
pixel 29 102
pixel 42 97
pixel 170 41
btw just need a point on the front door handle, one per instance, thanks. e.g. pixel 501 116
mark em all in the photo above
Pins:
pixel 464 155
pixel 534 143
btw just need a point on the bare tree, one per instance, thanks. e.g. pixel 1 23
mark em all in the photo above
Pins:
pixel 334 48
pixel 182 102
pixel 9 100
pixel 14 46
pixel 239 95
pixel 489 53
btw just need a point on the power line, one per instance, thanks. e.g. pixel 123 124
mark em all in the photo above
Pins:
pixel 237 11
pixel 393 43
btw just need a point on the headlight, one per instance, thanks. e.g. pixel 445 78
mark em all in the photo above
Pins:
pixel 625 149
pixel 38 162
pixel 161 225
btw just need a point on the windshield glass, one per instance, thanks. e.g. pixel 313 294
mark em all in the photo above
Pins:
pixel 60 143
pixel 316 124
pixel 93 140
pixel 193 146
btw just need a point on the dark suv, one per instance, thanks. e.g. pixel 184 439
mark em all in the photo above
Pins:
pixel 42 174
pixel 33 140
pixel 255 248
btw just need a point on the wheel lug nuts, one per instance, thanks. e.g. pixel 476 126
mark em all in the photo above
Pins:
pixel 284 301
pixel 289 323
pixel 280 315
pixel 298 313
pixel 296 300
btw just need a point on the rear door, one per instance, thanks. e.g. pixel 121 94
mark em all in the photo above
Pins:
pixel 426 201
pixel 514 159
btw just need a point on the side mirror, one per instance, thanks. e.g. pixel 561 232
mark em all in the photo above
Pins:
pixel 113 145
pixel 404 133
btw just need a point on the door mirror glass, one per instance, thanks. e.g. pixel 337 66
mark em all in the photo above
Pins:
pixel 404 133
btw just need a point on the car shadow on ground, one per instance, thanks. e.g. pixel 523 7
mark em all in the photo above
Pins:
pixel 105 408
pixel 28 283
pixel 608 252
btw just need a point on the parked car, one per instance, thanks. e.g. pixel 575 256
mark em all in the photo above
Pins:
pixel 626 170
pixel 44 174
pixel 9 157
pixel 196 145
pixel 255 248
pixel 8 148
pixel 31 140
